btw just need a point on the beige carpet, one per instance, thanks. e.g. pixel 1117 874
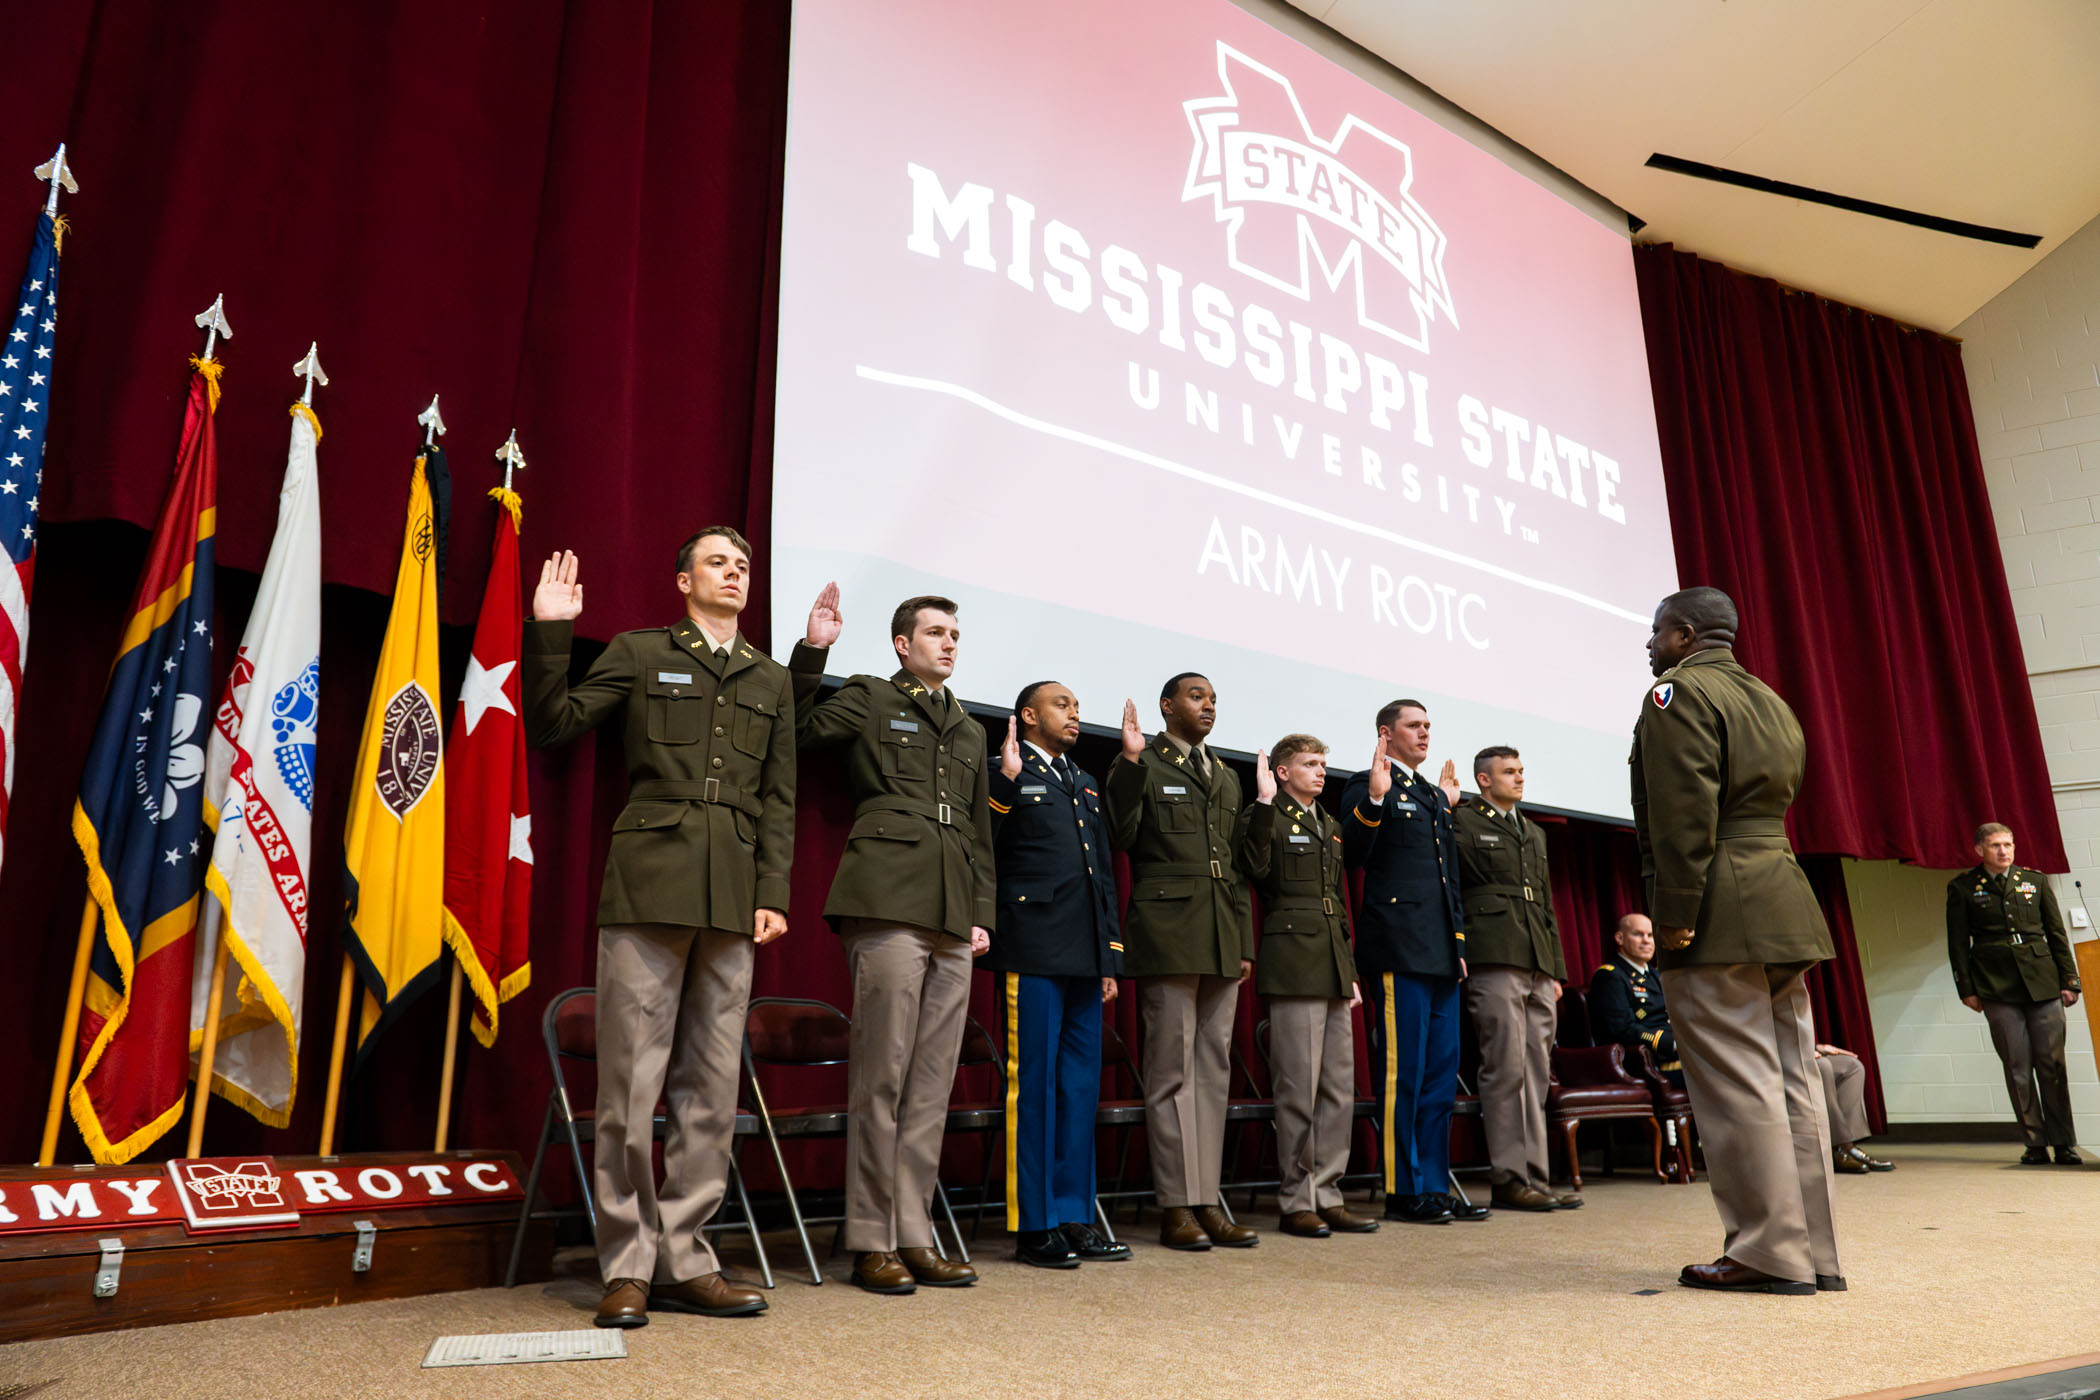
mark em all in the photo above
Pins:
pixel 1959 1263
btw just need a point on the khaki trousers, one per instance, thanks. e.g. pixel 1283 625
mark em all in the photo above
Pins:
pixel 671 1004
pixel 2029 1037
pixel 1188 1082
pixel 1749 1054
pixel 1312 1052
pixel 911 997
pixel 1512 1010
pixel 1845 1098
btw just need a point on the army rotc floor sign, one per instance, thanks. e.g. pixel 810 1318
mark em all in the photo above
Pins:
pixel 393 887
pixel 140 818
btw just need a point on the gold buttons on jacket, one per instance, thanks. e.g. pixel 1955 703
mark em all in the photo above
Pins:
pixel 721 700
pixel 720 731
pixel 715 762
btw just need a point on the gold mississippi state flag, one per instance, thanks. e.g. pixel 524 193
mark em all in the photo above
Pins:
pixel 394 851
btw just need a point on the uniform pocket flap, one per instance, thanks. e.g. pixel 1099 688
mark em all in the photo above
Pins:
pixel 886 826
pixel 1025 891
pixel 649 816
pixel 1294 923
pixel 764 704
pixel 1169 888
pixel 670 684
pixel 1484 904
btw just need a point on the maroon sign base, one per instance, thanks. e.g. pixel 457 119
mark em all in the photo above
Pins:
pixel 439 1222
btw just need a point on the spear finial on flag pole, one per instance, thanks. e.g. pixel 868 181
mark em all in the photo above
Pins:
pixel 433 424
pixel 311 368
pixel 58 173
pixel 212 320
pixel 511 457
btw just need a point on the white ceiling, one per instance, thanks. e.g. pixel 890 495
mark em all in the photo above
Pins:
pixel 1987 111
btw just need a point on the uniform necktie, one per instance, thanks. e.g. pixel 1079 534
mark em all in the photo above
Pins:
pixel 1202 758
pixel 1064 773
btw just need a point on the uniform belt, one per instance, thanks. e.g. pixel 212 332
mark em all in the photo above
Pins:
pixel 1737 828
pixel 1302 904
pixel 695 790
pixel 1524 892
pixel 1215 870
pixel 939 813
pixel 2003 940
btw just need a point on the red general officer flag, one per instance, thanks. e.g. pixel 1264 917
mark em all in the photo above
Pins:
pixel 488 817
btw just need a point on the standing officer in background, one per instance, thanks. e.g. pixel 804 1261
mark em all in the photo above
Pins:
pixel 1294 856
pixel 1057 958
pixel 1514 968
pixel 1189 944
pixel 1717 758
pixel 1627 1003
pixel 695 879
pixel 912 901
pixel 1410 938
pixel 2012 962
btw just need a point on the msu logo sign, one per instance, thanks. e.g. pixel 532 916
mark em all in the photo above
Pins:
pixel 409 749
pixel 1292 201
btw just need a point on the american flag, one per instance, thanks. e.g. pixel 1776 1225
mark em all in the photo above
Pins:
pixel 25 407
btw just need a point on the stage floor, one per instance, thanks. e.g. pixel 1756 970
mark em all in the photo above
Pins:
pixel 1960 1263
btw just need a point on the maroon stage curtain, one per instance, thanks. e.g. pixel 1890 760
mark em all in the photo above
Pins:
pixel 1823 469
pixel 1596 872
pixel 1837 989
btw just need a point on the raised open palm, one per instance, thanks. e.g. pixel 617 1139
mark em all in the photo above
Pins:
pixel 558 597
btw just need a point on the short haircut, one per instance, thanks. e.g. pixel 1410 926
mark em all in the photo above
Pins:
pixel 1486 756
pixel 1027 696
pixel 727 532
pixel 1291 745
pixel 1707 611
pixel 1393 708
pixel 1990 829
pixel 1625 924
pixel 1166 692
pixel 905 620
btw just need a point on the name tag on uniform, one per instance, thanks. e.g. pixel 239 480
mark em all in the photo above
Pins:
pixel 1033 787
pixel 1175 791
pixel 1301 840
pixel 674 677
pixel 1488 839
pixel 1407 804
pixel 908 726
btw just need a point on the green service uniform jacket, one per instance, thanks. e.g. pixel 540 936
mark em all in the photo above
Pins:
pixel 1717 758
pixel 1188 903
pixel 1507 891
pixel 709 827
pixel 2006 938
pixel 920 851
pixel 1294 856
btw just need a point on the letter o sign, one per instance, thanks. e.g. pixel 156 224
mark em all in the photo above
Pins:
pixel 379 1182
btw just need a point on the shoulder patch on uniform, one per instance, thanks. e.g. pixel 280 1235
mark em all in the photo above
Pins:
pixel 1607 968
pixel 1662 694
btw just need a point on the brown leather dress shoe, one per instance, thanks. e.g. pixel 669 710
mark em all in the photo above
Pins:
pixel 1515 1195
pixel 1842 1160
pixel 1567 1200
pixel 880 1272
pixel 935 1272
pixel 1345 1221
pixel 709 1295
pixel 1178 1229
pixel 1223 1231
pixel 626 1304
pixel 1728 1276
pixel 1304 1224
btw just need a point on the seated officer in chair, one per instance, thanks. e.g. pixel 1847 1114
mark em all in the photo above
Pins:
pixel 1626 999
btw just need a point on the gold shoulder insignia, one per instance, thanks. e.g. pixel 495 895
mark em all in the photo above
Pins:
pixel 1607 968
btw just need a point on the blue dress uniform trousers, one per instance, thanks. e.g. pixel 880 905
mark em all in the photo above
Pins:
pixel 1053 1037
pixel 1413 1022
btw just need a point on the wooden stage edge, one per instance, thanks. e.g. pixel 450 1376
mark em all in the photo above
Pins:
pixel 2007 1373
pixel 169 1274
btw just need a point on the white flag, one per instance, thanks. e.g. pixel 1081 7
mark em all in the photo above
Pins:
pixel 259 785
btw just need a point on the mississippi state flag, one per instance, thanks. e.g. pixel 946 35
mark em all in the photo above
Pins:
pixel 259 799
pixel 140 817
pixel 488 817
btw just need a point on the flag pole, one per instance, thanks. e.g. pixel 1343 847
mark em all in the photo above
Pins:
pixel 60 175
pixel 212 321
pixel 335 1058
pixel 433 427
pixel 69 1033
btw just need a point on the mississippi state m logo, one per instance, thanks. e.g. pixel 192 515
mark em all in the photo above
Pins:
pixel 1293 201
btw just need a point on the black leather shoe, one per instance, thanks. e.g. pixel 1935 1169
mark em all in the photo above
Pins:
pixel 1045 1249
pixel 1464 1210
pixel 1417 1210
pixel 2035 1157
pixel 2068 1157
pixel 1091 1247
pixel 1830 1283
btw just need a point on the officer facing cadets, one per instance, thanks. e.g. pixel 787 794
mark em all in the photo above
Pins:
pixel 2013 963
pixel 695 879
pixel 1056 961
